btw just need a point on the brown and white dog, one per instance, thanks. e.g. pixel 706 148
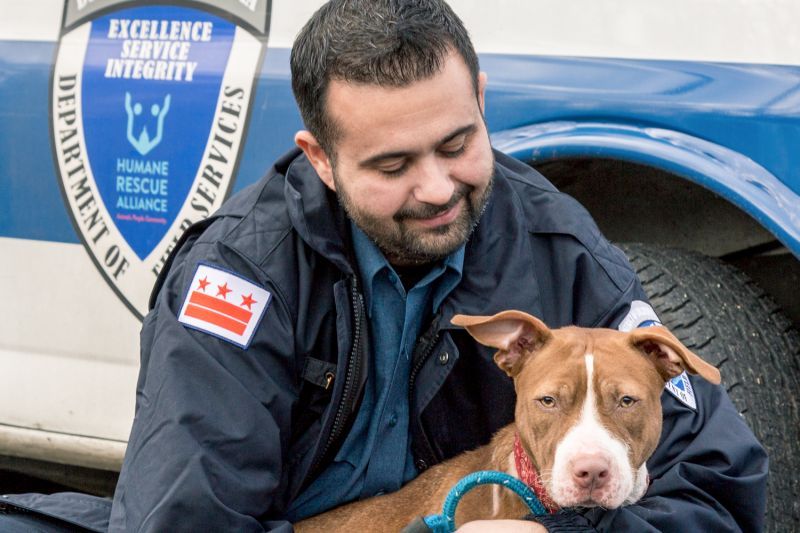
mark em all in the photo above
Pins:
pixel 588 415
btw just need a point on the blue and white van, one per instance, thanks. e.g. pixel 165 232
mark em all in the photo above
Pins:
pixel 122 122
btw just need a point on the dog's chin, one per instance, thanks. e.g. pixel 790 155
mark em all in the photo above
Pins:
pixel 590 498
pixel 641 480
pixel 626 489
pixel 603 503
pixel 589 502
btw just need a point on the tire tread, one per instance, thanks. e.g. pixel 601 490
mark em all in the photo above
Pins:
pixel 722 315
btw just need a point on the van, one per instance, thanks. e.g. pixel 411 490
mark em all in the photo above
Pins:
pixel 123 122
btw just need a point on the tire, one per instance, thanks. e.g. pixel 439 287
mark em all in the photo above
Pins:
pixel 720 314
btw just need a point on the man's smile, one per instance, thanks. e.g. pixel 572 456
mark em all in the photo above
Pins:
pixel 441 219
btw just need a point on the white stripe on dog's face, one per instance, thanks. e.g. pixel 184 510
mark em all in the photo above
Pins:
pixel 582 452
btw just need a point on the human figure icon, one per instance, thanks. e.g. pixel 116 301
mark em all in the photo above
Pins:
pixel 143 144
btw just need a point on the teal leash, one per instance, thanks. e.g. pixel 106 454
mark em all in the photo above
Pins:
pixel 446 522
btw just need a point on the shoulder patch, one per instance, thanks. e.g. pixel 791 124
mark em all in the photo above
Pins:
pixel 640 315
pixel 224 304
pixel 681 388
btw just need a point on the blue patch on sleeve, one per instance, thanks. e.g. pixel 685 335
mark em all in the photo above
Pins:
pixel 682 389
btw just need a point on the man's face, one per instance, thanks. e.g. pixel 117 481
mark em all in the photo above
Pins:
pixel 413 165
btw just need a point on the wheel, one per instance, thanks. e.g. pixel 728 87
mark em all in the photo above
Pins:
pixel 719 313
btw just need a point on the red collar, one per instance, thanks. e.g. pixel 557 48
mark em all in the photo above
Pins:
pixel 528 474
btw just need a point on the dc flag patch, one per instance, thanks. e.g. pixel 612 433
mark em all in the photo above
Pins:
pixel 681 388
pixel 224 305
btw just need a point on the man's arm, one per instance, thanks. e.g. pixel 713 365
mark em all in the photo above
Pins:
pixel 206 448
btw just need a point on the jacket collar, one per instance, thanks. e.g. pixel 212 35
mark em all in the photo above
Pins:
pixel 312 207
pixel 498 266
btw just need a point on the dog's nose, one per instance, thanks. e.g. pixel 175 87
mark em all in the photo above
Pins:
pixel 590 471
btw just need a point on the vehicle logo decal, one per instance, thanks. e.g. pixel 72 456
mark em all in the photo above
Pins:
pixel 149 114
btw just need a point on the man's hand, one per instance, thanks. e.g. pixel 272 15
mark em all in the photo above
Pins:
pixel 502 526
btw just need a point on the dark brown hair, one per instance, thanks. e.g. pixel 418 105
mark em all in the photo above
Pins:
pixel 381 42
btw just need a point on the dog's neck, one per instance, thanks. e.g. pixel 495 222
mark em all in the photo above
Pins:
pixel 509 456
pixel 527 473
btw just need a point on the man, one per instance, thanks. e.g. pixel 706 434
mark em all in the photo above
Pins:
pixel 353 253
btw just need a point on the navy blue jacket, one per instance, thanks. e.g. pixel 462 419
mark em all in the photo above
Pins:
pixel 225 437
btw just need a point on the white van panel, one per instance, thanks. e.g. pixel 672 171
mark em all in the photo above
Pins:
pixel 741 31
pixel 86 311
pixel 86 386
pixel 76 396
pixel 30 20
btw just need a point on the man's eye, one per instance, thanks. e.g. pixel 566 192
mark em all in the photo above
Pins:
pixel 393 170
pixel 453 149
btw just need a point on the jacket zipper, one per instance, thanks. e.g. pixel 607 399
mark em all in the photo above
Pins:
pixel 428 342
pixel 426 345
pixel 352 375
pixel 419 362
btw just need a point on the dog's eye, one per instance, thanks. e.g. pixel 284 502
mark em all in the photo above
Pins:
pixel 547 401
pixel 627 401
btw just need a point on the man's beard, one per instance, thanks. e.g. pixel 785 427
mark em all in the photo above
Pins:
pixel 405 246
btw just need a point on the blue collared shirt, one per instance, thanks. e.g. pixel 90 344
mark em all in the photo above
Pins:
pixel 376 455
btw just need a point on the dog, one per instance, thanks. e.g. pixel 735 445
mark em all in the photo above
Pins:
pixel 587 417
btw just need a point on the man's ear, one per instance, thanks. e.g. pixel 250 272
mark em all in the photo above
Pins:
pixel 316 156
pixel 515 334
pixel 669 355
pixel 483 79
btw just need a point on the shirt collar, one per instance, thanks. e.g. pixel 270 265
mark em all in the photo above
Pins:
pixel 371 261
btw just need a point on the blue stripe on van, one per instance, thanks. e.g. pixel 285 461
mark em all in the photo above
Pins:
pixel 30 198
pixel 31 206
pixel 750 109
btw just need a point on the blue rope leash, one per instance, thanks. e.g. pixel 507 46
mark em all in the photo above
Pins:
pixel 446 522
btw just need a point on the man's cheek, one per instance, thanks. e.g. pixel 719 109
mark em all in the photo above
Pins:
pixel 475 171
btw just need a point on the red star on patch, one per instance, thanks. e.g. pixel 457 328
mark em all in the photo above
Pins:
pixel 223 290
pixel 248 301
pixel 203 284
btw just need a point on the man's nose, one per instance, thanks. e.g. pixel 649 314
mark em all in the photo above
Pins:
pixel 434 185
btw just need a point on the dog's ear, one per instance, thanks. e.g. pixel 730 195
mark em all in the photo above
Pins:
pixel 515 335
pixel 669 354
